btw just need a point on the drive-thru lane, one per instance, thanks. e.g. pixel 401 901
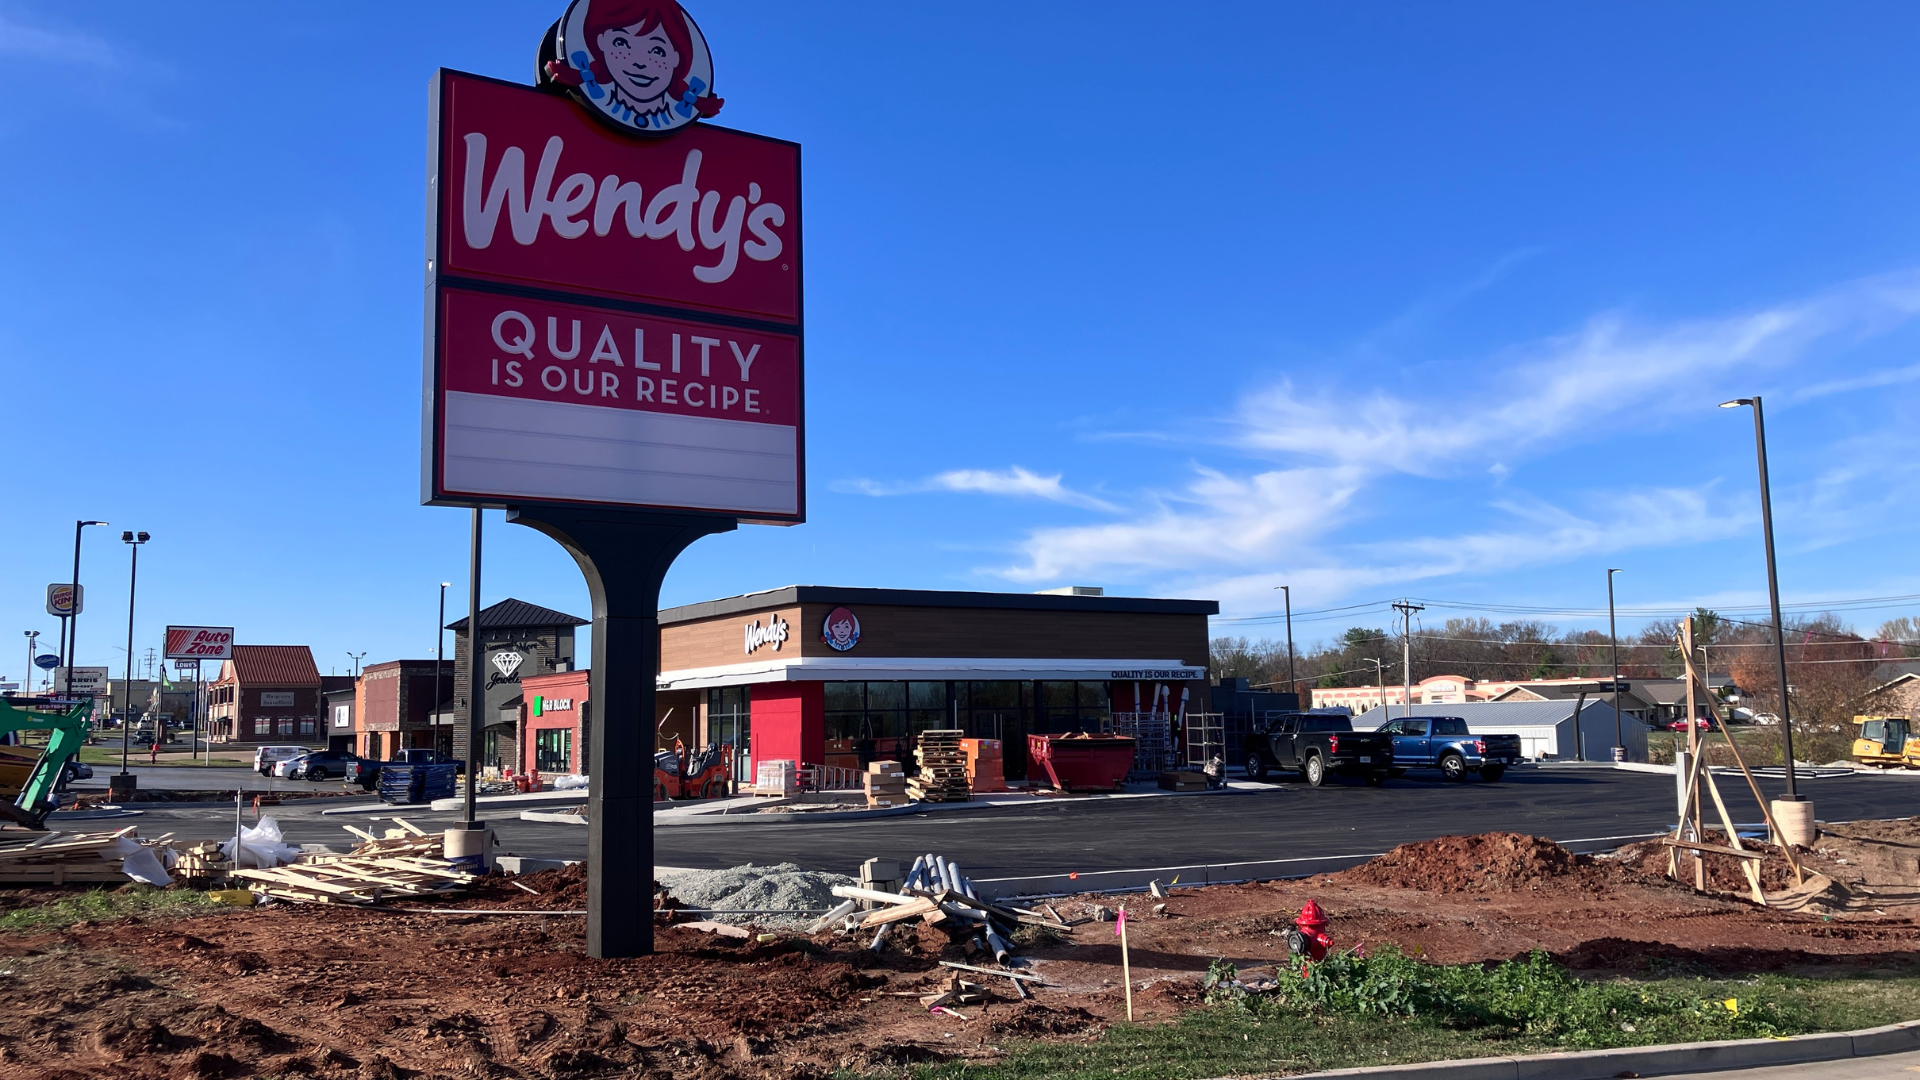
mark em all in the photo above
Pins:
pixel 1053 836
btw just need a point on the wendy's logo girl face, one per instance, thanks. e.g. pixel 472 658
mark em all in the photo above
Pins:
pixel 841 630
pixel 641 65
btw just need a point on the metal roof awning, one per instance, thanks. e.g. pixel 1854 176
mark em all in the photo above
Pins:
pixel 930 669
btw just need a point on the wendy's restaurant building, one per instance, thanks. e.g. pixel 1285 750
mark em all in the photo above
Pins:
pixel 822 675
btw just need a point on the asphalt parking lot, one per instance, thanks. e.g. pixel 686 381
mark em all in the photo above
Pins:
pixel 1286 820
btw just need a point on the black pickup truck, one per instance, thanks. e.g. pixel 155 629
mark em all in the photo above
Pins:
pixel 1316 744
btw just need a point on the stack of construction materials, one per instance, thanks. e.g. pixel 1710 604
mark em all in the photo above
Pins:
pixel 202 863
pixel 58 858
pixel 885 783
pixel 986 765
pixel 937 894
pixel 406 862
pixel 943 767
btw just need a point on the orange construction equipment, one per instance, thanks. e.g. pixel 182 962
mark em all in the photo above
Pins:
pixel 986 765
pixel 679 775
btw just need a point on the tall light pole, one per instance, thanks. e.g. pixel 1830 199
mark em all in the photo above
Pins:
pixel 73 617
pixel 1406 608
pixel 1380 680
pixel 439 655
pixel 1619 748
pixel 1294 687
pixel 1773 582
pixel 355 657
pixel 33 639
pixel 133 541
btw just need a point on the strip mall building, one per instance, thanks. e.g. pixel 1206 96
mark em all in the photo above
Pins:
pixel 840 676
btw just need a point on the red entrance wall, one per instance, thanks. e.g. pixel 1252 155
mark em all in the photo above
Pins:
pixel 789 723
pixel 563 685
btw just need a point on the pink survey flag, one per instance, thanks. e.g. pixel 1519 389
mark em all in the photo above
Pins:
pixel 1120 923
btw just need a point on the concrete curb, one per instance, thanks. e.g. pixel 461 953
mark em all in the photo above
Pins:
pixel 1656 1060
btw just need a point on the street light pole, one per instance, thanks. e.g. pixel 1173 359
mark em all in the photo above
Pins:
pixel 1613 636
pixel 33 639
pixel 1380 680
pixel 1773 582
pixel 1292 685
pixel 440 656
pixel 133 542
pixel 73 617
pixel 355 657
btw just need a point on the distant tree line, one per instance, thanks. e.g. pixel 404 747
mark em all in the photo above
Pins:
pixel 1830 667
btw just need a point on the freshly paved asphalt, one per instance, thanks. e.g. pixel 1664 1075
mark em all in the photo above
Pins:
pixel 1290 820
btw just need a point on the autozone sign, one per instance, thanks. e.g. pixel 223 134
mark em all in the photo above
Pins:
pixel 613 319
pixel 199 643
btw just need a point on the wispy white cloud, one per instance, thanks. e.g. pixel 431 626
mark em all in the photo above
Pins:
pixel 1233 535
pixel 1870 381
pixel 62 46
pixel 1015 482
pixel 1561 385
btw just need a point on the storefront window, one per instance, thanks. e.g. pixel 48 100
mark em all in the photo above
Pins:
pixel 262 726
pixel 286 725
pixel 553 750
pixel 927 706
pixel 730 721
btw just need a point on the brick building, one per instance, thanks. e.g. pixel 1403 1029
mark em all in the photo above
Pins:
pixel 394 707
pixel 267 694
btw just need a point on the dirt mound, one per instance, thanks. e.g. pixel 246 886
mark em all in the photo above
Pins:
pixel 1486 863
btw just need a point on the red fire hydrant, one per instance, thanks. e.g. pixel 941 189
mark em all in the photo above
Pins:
pixel 1309 934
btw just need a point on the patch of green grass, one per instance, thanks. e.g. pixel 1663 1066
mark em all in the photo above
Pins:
pixel 101 904
pixel 1388 1009
pixel 102 755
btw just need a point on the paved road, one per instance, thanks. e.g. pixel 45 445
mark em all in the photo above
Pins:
pixel 188 778
pixel 1290 820
pixel 1883 1067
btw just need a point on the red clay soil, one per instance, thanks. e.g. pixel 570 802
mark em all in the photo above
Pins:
pixel 337 992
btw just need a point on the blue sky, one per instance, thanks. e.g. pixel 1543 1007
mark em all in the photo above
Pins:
pixel 1371 299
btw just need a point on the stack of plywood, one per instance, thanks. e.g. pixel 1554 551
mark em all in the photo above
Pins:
pixel 943 767
pixel 406 862
pixel 58 858
pixel 885 783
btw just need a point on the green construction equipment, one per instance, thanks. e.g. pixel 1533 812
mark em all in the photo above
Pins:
pixel 35 784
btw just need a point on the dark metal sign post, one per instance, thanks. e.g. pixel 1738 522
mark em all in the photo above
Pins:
pixel 625 556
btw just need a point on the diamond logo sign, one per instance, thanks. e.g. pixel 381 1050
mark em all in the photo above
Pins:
pixel 507 663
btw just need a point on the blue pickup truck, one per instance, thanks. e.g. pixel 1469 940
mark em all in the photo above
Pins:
pixel 1444 743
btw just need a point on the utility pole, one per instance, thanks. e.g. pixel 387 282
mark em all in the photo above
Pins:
pixel 1292 685
pixel 1380 680
pixel 1619 748
pixel 1406 608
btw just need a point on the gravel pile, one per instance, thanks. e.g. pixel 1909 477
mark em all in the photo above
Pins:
pixel 783 886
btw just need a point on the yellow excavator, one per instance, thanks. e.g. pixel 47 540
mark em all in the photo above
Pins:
pixel 1886 741
pixel 32 778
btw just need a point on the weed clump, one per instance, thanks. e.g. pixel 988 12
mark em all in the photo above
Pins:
pixel 1532 998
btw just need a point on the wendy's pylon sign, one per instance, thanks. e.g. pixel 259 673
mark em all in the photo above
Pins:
pixel 614 294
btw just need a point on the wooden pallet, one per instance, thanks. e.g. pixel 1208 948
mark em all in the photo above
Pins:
pixel 57 858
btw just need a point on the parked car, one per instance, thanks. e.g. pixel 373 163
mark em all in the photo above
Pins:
pixel 78 770
pixel 1444 743
pixel 362 771
pixel 266 757
pixel 1317 745
pixel 320 765
pixel 1700 722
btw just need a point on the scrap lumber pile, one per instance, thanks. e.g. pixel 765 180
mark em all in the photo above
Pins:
pixel 939 896
pixel 406 862
pixel 57 858
pixel 885 783
pixel 943 767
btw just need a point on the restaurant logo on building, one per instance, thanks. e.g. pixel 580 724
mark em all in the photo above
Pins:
pixel 641 65
pixel 841 631
pixel 774 634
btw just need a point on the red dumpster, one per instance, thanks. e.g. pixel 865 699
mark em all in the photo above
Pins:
pixel 1080 762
